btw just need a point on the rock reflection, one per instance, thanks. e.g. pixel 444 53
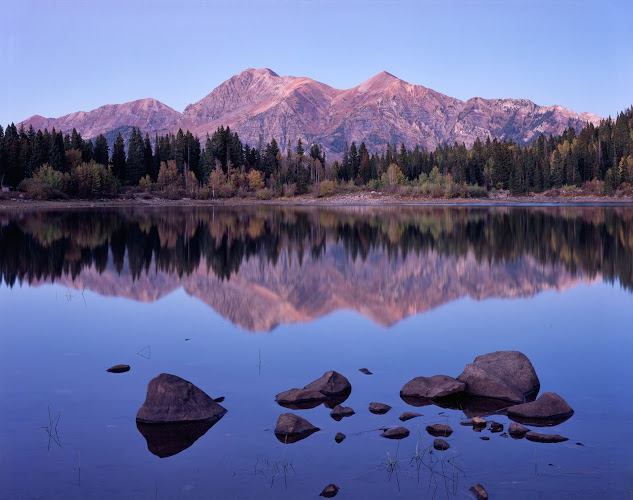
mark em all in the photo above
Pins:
pixel 166 440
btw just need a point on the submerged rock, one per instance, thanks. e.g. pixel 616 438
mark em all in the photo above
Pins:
pixel 119 369
pixel 172 399
pixel 479 491
pixel 440 444
pixel 484 438
pixel 379 408
pixel 439 430
pixel 517 431
pixel 549 405
pixel 408 415
pixel 296 396
pixel 329 491
pixel 505 375
pixel 331 384
pixel 341 411
pixel 292 428
pixel 437 386
pixel 396 433
pixel 365 371
pixel 339 437
pixel 544 438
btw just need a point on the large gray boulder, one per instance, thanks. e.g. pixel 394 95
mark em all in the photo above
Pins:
pixel 505 375
pixel 549 405
pixel 437 386
pixel 331 384
pixel 172 399
pixel 292 428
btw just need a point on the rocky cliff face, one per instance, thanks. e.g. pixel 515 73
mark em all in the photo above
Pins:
pixel 381 110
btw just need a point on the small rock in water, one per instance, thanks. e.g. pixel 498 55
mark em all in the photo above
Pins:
pixel 292 428
pixel 484 438
pixel 439 430
pixel 331 384
pixel 517 431
pixel 338 412
pixel 408 415
pixel 474 422
pixel 479 491
pixel 549 405
pixel 365 371
pixel 537 437
pixel 299 396
pixel 580 444
pixel 339 437
pixel 504 435
pixel 440 444
pixel 437 386
pixel 496 427
pixel 219 400
pixel 119 369
pixel 379 408
pixel 329 491
pixel 396 433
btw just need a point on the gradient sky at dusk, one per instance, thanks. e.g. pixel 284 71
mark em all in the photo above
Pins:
pixel 60 56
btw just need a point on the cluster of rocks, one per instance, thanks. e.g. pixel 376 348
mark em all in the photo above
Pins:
pixel 487 385
pixel 502 382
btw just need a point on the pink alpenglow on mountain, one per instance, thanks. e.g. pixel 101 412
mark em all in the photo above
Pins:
pixel 381 110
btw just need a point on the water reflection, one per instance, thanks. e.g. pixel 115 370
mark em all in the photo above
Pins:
pixel 262 266
pixel 166 440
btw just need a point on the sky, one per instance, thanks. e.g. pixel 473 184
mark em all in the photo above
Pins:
pixel 61 56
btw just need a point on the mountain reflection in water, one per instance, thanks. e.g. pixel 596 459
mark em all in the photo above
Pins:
pixel 263 266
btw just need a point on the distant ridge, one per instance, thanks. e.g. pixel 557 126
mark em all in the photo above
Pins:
pixel 383 109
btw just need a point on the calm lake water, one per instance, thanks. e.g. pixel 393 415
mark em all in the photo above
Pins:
pixel 247 302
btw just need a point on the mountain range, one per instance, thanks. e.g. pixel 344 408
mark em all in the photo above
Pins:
pixel 259 104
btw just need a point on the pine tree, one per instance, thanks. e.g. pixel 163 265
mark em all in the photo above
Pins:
pixel 101 151
pixel 118 158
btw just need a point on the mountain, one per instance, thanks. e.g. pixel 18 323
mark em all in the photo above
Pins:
pixel 149 114
pixel 381 110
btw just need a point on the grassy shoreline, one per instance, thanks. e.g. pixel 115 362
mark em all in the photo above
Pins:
pixel 352 199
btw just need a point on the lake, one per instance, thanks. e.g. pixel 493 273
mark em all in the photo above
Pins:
pixel 247 302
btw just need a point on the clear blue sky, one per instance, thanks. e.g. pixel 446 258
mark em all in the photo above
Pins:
pixel 63 56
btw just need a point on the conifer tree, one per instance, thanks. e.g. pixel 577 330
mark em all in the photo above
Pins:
pixel 118 158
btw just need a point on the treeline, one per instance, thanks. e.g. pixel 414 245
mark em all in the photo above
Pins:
pixel 593 241
pixel 222 166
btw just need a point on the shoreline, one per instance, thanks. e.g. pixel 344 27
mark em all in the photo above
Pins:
pixel 346 199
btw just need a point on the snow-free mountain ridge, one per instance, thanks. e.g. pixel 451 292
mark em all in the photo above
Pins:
pixel 258 103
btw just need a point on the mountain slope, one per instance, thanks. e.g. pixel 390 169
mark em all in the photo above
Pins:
pixel 384 109
pixel 148 114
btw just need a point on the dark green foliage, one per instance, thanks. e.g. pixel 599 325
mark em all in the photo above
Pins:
pixel 118 158
pixel 101 151
pixel 135 163
pixel 572 158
